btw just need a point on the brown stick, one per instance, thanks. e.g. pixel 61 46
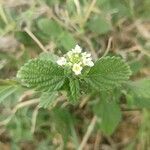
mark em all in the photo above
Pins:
pixel 35 39
pixel 88 133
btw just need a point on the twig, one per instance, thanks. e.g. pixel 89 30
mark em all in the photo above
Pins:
pixel 142 30
pixel 145 52
pixel 3 15
pixel 64 104
pixel 35 39
pixel 132 109
pixel 89 44
pixel 88 133
pixel 108 47
pixel 83 102
pixel 88 12
pixel 25 95
pixel 77 3
pixel 112 143
pixel 67 27
pixel 34 117
pixel 97 141
pixel 138 48
pixel 24 104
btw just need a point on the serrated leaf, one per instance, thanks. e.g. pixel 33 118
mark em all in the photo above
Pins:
pixel 74 90
pixel 43 75
pixel 47 99
pixel 108 73
pixel 48 56
pixel 109 113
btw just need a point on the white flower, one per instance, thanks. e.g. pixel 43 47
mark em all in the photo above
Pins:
pixel 69 54
pixel 76 60
pixel 85 54
pixel 77 69
pixel 62 61
pixel 88 62
pixel 77 49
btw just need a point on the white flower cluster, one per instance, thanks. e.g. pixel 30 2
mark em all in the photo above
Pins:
pixel 76 60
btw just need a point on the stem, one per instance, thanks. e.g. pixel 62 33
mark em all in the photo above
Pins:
pixel 35 39
pixel 77 3
pixel 88 133
pixel 108 47
pixel 88 12
pixel 34 117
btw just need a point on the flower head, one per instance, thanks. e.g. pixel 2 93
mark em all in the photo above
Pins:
pixel 86 55
pixel 62 61
pixel 77 49
pixel 76 60
pixel 88 62
pixel 77 68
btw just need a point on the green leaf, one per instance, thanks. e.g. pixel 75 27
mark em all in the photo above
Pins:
pixel 51 2
pixel 74 90
pixel 62 120
pixel 142 102
pixel 67 41
pixel 140 88
pixel 6 90
pixel 135 66
pixel 49 27
pixel 117 7
pixel 109 113
pixel 108 73
pixel 48 56
pixel 43 75
pixel 48 99
pixel 99 24
pixel 24 38
pixel 139 93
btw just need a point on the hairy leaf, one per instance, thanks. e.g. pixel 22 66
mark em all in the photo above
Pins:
pixel 42 75
pixel 48 56
pixel 109 114
pixel 47 99
pixel 108 72
pixel 74 90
